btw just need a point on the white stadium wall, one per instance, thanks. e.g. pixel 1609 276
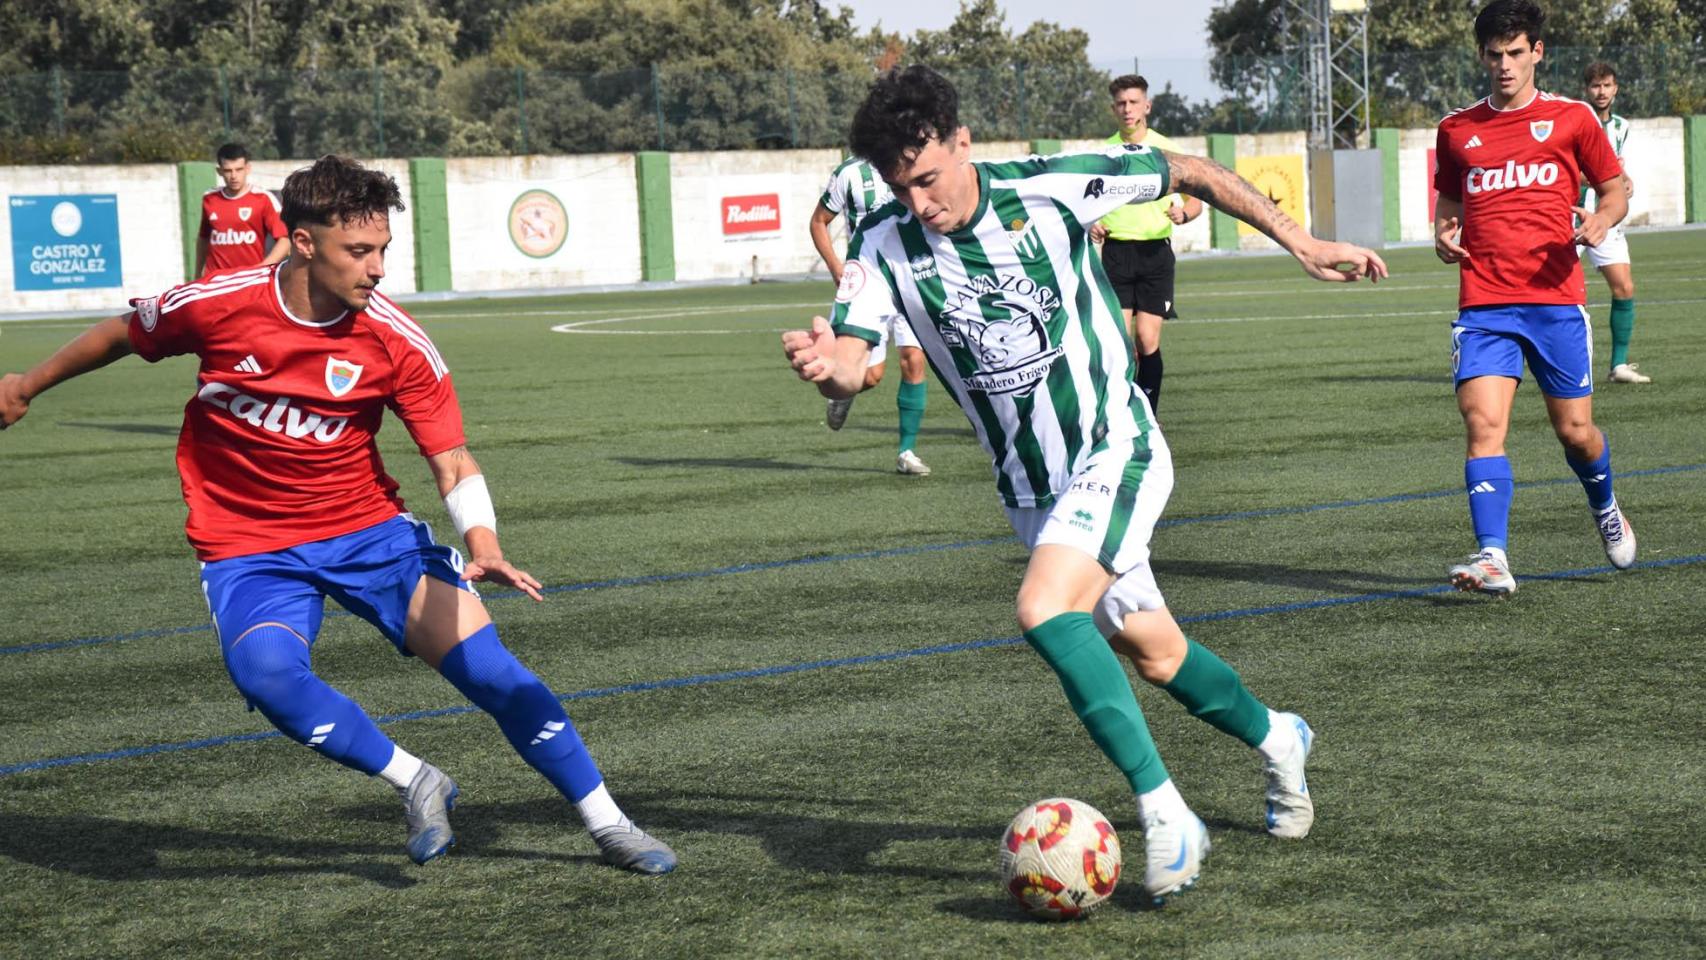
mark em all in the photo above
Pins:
pixel 149 254
pixel 531 223
pixel 729 208
pixel 598 202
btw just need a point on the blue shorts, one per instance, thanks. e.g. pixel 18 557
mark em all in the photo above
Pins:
pixel 1556 340
pixel 372 573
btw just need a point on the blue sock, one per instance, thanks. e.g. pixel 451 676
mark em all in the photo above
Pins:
pixel 270 667
pixel 1595 476
pixel 529 714
pixel 1488 480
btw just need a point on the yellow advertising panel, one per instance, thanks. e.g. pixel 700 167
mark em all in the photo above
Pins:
pixel 1280 178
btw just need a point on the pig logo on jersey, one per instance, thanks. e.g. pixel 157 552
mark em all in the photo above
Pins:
pixel 1002 321
pixel 341 375
pixel 1541 129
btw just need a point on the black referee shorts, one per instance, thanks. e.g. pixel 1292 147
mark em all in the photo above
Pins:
pixel 1142 274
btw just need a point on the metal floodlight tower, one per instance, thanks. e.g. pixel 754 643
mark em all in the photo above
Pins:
pixel 1331 63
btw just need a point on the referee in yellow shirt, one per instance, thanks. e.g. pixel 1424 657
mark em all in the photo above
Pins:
pixel 1136 250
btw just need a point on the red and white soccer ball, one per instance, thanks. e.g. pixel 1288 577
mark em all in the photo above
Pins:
pixel 1059 858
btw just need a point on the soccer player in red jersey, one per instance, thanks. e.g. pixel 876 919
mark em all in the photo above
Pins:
pixel 240 226
pixel 289 503
pixel 1507 178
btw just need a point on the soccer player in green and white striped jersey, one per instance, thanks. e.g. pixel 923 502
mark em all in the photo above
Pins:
pixel 992 265
pixel 855 190
pixel 1612 254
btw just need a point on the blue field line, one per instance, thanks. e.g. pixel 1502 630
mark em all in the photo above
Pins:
pixel 755 673
pixel 658 578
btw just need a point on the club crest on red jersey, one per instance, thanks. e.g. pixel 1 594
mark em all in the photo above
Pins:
pixel 243 213
pixel 1541 129
pixel 341 375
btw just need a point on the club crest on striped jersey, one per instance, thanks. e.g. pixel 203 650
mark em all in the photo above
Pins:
pixel 341 375
pixel 1541 129
pixel 1026 243
pixel 1001 323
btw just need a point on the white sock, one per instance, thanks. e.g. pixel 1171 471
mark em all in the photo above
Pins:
pixel 400 772
pixel 598 810
pixel 1281 740
pixel 1608 508
pixel 1164 803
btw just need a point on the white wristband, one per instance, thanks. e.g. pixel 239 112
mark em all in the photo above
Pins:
pixel 470 505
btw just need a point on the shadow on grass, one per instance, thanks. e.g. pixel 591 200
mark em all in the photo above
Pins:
pixel 104 848
pixel 1284 575
pixel 888 430
pixel 153 429
pixel 737 463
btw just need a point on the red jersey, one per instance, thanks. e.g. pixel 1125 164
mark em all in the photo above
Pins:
pixel 240 230
pixel 1517 171
pixel 277 447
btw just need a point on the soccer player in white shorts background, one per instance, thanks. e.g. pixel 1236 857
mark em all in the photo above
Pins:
pixel 1611 255
pixel 854 190
pixel 992 265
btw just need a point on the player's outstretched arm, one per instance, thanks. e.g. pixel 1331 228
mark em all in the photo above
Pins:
pixel 94 348
pixel 463 487
pixel 835 364
pixel 1212 183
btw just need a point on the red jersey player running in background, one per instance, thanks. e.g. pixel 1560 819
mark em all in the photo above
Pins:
pixel 241 226
pixel 289 504
pixel 1507 177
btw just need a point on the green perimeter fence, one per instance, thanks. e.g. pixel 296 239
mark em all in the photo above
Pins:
pixel 166 115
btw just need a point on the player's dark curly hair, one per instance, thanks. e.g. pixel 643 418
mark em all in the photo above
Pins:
pixel 904 110
pixel 1509 18
pixel 337 189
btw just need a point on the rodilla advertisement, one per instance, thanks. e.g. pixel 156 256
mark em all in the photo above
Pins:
pixel 65 241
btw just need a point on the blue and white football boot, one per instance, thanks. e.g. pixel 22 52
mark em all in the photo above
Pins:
pixel 1291 812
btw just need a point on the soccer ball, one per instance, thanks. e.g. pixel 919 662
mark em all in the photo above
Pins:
pixel 1059 858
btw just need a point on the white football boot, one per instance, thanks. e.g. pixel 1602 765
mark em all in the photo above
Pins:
pixel 1291 812
pixel 1627 373
pixel 1487 572
pixel 1174 850
pixel 1618 535
pixel 909 464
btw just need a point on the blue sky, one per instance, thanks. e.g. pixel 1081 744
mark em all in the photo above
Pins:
pixel 1174 47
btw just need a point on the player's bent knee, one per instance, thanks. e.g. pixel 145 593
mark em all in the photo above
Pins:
pixel 270 667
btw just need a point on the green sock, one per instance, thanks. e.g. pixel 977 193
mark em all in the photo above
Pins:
pixel 1101 695
pixel 1213 693
pixel 911 402
pixel 1622 329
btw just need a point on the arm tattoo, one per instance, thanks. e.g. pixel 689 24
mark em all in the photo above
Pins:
pixel 1219 187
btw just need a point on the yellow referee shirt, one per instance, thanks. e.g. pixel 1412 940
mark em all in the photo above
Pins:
pixel 1143 221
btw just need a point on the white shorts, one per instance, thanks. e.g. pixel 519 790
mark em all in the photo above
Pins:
pixel 898 330
pixel 1613 249
pixel 1109 512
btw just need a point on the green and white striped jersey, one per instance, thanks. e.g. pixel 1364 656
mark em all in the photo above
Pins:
pixel 854 190
pixel 1014 312
pixel 1617 130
